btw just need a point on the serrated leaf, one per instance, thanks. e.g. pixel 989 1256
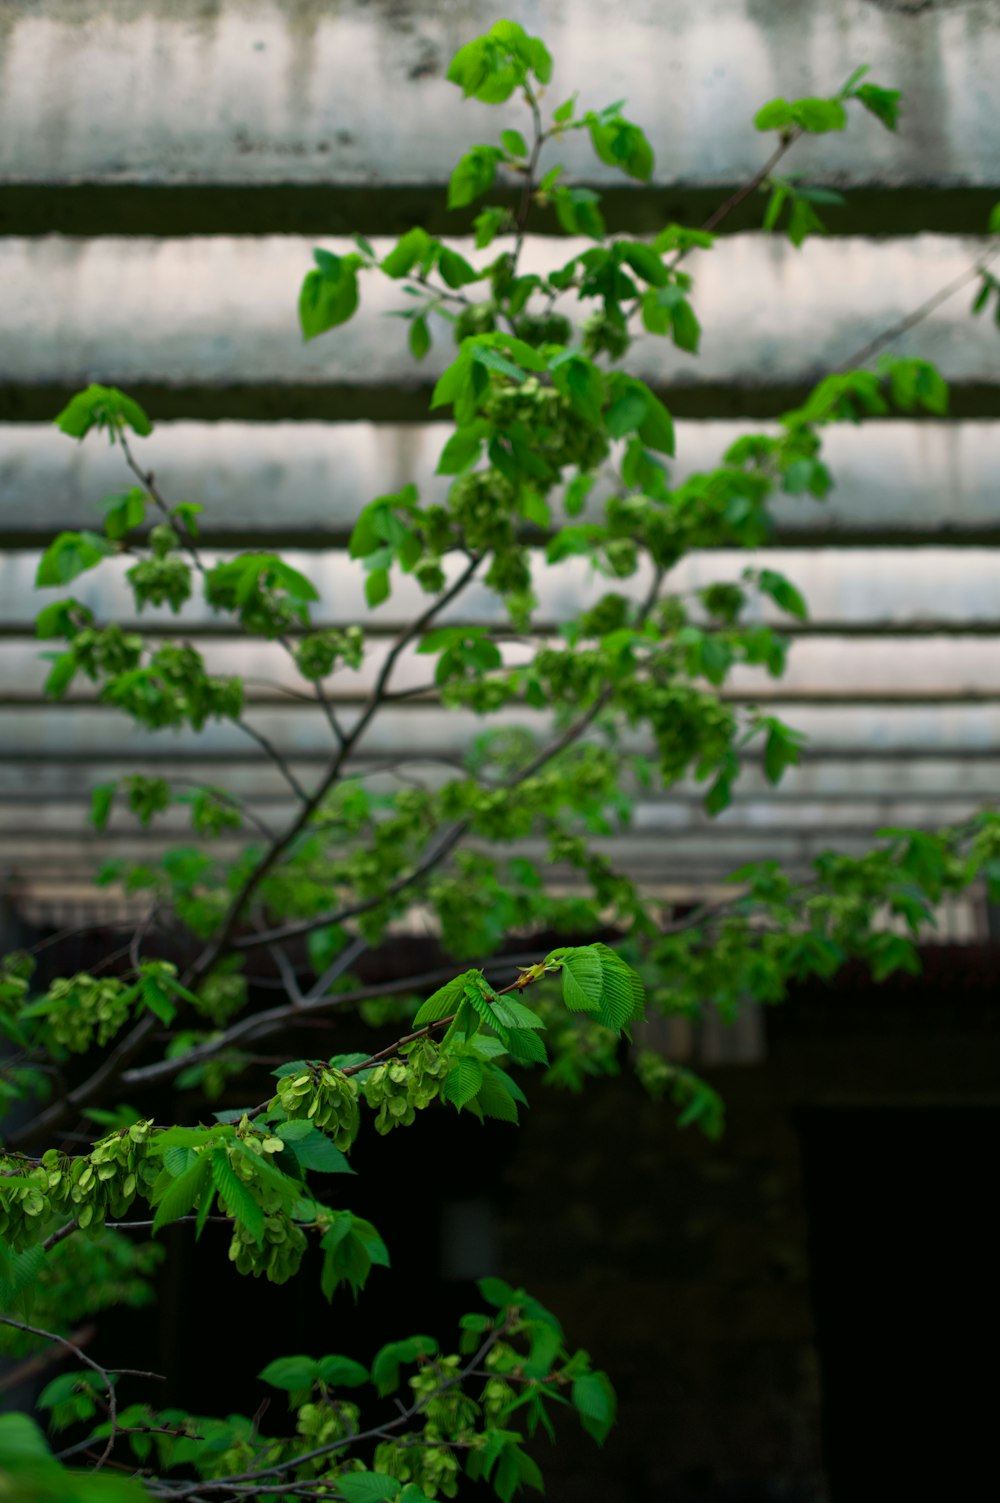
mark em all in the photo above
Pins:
pixel 239 1201
pixel 442 1003
pixel 367 1487
pixel 463 1081
pixel 180 1196
pixel 318 1153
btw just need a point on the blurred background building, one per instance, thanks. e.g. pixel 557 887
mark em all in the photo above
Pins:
pixel 165 170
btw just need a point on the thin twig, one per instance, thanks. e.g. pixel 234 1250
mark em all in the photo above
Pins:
pixel 261 1024
pixel 105 1374
pixel 910 321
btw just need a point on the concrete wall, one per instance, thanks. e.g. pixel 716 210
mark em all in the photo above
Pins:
pixel 164 173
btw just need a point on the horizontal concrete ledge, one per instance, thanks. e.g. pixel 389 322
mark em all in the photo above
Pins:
pixel 100 208
pixel 303 484
pixel 649 820
pixel 659 857
pixel 68 781
pixel 829 670
pixel 207 327
pixel 867 589
pixel 426 731
pixel 244 91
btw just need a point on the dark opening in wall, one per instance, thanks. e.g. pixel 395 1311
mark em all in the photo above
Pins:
pixel 904 1259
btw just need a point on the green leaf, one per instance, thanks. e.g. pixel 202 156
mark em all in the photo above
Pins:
pixel 290 1373
pixel 473 176
pixel 462 450
pixel 495 1292
pixel 576 494
pixel 69 555
pixel 317 1152
pixel 385 1368
pixel 102 407
pixel 514 143
pixel 817 116
pixel 101 799
pixel 416 245
pixel 455 269
pixel 367 1487
pixel 443 1002
pixel 594 1401
pixel 776 115
pixel 619 143
pixel 627 413
pixel 419 337
pixel 657 428
pixel 179 1196
pixel 685 328
pixel 781 749
pixel 329 294
pixel 124 512
pixel 238 1200
pixel 377 587
pixel 783 593
pixel 644 260
pixel 581 980
pixel 463 1081
pixel 882 103
pixel 156 1001
pixel 342 1372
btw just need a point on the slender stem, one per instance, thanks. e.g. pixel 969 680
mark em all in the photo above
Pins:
pixel 788 140
pixel 277 849
pixel 910 321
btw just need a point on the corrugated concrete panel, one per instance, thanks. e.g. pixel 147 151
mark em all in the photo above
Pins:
pixel 826 780
pixel 246 91
pixel 917 589
pixel 649 819
pixel 208 312
pixel 304 481
pixel 950 669
pixel 418 732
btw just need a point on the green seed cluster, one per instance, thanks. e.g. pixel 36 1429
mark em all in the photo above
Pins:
pixel 326 1097
pixel 318 654
pixel 605 334
pixel 107 1180
pixel 537 329
pixel 86 1190
pixel 160 581
pixel 449 1409
pixel 558 433
pixel 84 1010
pixel 399 1090
pixel 434 1470
pixel 323 1422
pixel 104 650
pixel 279 1254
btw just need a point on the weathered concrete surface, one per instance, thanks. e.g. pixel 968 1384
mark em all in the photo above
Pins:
pixel 258 91
pixel 208 313
pixel 306 482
